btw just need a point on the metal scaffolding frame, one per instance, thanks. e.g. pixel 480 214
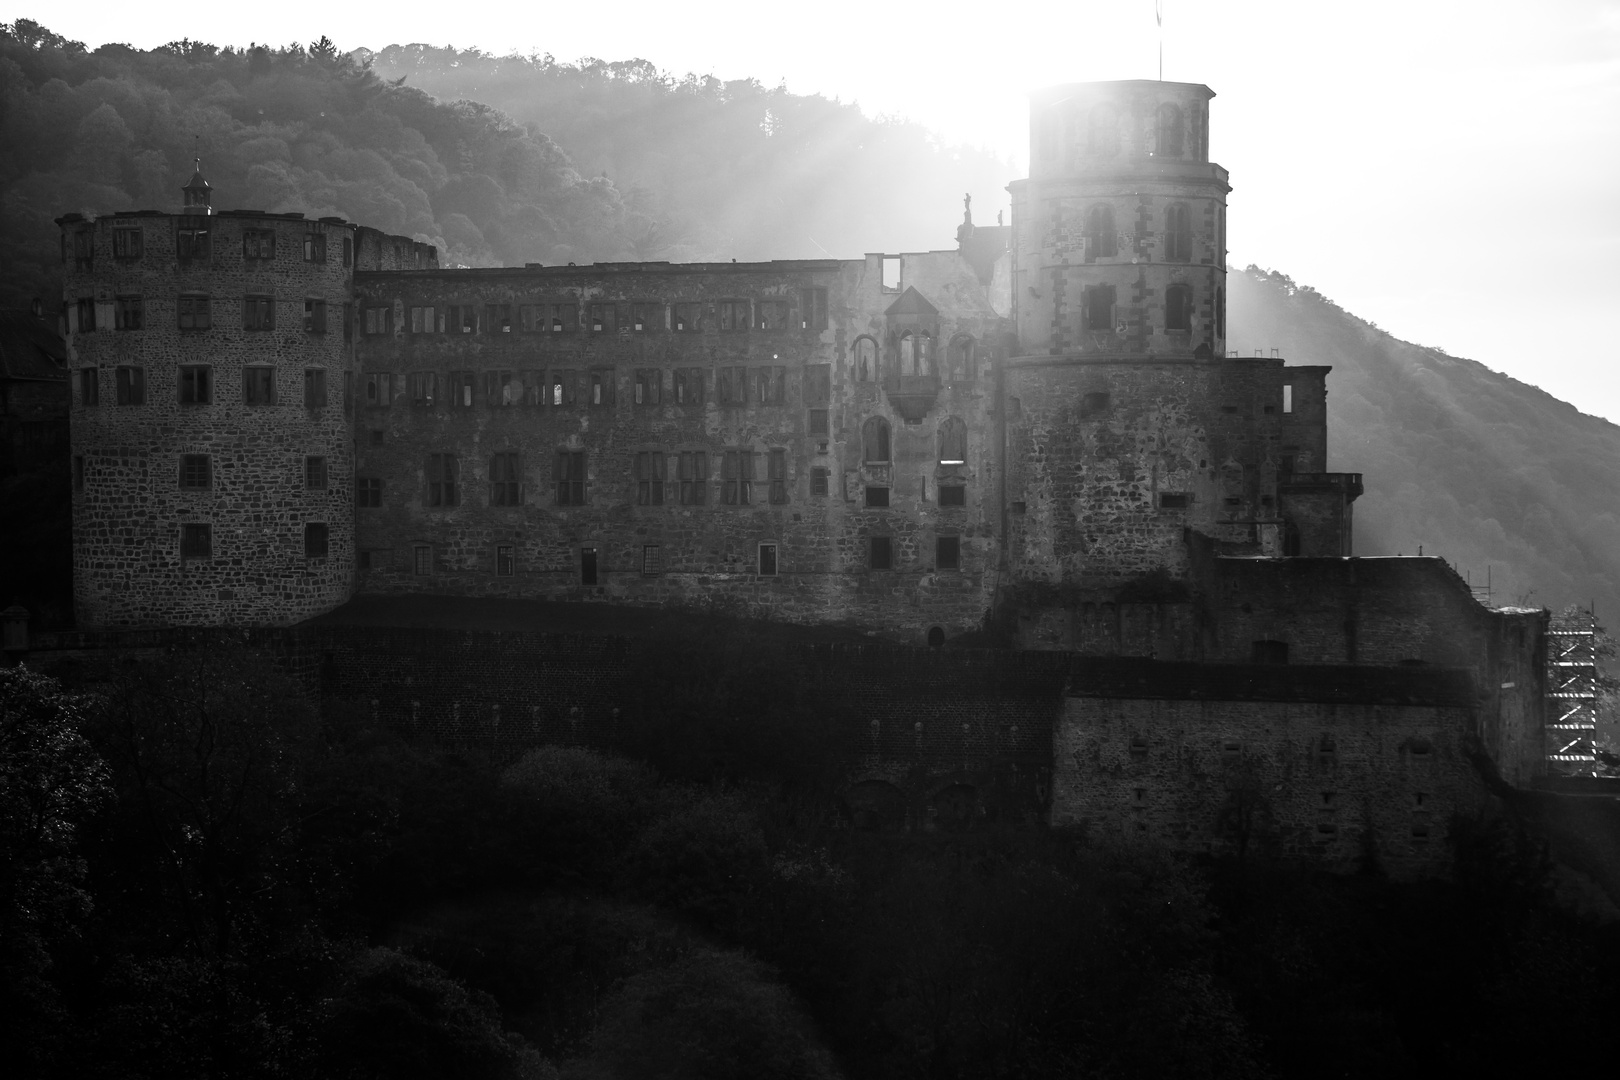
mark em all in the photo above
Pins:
pixel 1572 694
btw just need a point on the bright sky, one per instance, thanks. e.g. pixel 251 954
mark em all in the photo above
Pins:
pixel 1448 170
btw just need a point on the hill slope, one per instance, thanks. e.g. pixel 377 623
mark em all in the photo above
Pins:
pixel 1473 465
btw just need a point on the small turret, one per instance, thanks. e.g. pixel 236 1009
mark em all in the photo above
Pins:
pixel 198 194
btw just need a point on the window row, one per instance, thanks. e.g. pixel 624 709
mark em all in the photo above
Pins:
pixel 194 242
pixel 1098 133
pixel 1099 309
pixel 195 386
pixel 1100 236
pixel 596 387
pixel 194 311
pixel 875 441
pixel 913 352
pixel 808 311
pixel 649 559
pixel 197 540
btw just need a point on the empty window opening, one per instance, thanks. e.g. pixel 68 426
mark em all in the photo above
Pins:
pixel 131 384
pixel 877 496
pixel 314 388
pixel 891 273
pixel 767 560
pixel 1102 240
pixel 646 316
pixel 1178 307
pixel 650 470
pixel 505 480
pixel 961 359
pixel 952 494
pixel 875 440
pixel 813 307
pixel 89 387
pixel 444 480
pixel 259 386
pixel 947 553
pixel 127 313
pixel 694 477
pixel 733 314
pixel 1094 404
pixel 1173 500
pixel 1268 652
pixel 865 356
pixel 880 552
pixel 315 316
pixel 194 313
pixel 315 540
pixel 953 441
pixel 776 464
pixel 818 482
pixel 936 637
pixel 570 478
pixel 258 313
pixel 587 566
pixel 737 478
pixel 196 541
pixel 368 492
pixel 1099 308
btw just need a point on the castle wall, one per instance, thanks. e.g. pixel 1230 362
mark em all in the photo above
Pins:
pixel 1333 782
pixel 258 498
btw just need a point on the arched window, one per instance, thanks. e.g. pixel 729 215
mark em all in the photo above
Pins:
pixel 875 440
pixel 1177 234
pixel 1178 307
pixel 1172 136
pixel 1104 134
pixel 952 441
pixel 908 354
pixel 959 359
pixel 1102 242
pixel 866 354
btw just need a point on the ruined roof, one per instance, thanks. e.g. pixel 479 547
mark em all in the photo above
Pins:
pixel 912 302
pixel 30 347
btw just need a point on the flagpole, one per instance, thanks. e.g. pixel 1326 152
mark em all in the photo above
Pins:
pixel 1158 15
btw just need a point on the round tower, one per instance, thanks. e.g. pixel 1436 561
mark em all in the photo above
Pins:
pixel 212 457
pixel 1127 427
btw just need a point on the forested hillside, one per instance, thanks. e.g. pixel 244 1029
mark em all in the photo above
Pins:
pixel 502 160
pixel 1470 464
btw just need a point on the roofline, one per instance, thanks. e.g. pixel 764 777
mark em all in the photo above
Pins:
pixel 802 265
pixel 1047 91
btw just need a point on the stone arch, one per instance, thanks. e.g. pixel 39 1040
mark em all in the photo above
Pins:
pixel 864 358
pixel 953 441
pixel 960 358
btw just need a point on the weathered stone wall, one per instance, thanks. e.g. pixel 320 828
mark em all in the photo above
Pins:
pixel 129 514
pixel 707 553
pixel 1329 781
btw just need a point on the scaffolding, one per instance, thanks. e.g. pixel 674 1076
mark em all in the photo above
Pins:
pixel 1572 694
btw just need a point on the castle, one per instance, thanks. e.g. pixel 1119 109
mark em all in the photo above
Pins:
pixel 1038 435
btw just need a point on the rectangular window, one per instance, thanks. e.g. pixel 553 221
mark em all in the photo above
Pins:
pixel 1172 500
pixel 564 318
pixel 127 313
pixel 131 386
pixel 502 389
pixel 196 384
pixel 688 318
pixel 315 247
pixel 348 251
pixel 497 318
pixel 603 316
pixel 258 243
pixel 877 496
pixel 85 314
pixel 378 320
pixel 818 423
pixel 689 386
pixel 196 472
pixel 652 560
pixel 818 482
pixel 731 385
pixel 462 319
pixel 258 313
pixel 767 560
pixel 772 314
pixel 1099 308
pixel 694 478
pixel 84 248
pixel 649 470
pixel 737 478
pixel 733 314
pixel 813 308
pixel 194 313
pixel 534 388
pixel 314 388
pixel 505 560
pixel 196 541
pixel 1288 397
pixel 314 540
pixel 880 553
pixel 315 316
pixel 443 476
pixel 368 492
pixel 191 242
pixel 770 385
pixel 570 475
pixel 564 386
pixel 422 560
pixel 89 387
pixel 379 389
pixel 424 387
pixel 258 386
pixel 952 495
pixel 778 476
pixel 646 316
pixel 422 320
pixel 463 393
pixel 532 318
pixel 127 243
pixel 315 472
pixel 817 384
pixel 602 382
pixel 505 481
pixel 947 553
pixel 649 383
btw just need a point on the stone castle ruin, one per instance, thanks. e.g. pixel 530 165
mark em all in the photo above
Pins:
pixel 1036 439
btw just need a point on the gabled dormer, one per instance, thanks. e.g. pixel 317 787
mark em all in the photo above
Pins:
pixel 912 344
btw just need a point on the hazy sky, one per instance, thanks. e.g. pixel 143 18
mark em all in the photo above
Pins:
pixel 1450 171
